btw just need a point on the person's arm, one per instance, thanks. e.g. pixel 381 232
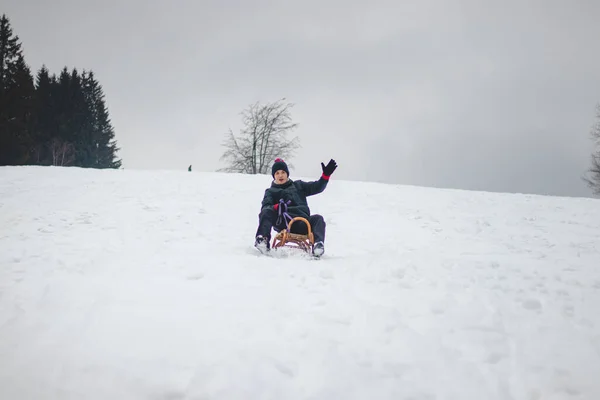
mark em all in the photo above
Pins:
pixel 267 201
pixel 316 187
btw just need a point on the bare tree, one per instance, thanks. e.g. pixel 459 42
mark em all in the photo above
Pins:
pixel 593 177
pixel 262 139
pixel 63 153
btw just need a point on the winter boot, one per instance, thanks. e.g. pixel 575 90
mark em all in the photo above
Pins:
pixel 262 244
pixel 318 249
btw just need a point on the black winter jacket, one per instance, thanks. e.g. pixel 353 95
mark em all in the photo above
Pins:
pixel 296 191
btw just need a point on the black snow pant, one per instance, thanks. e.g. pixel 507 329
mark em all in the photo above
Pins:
pixel 268 217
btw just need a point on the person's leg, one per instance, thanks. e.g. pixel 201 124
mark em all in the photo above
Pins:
pixel 317 223
pixel 266 219
pixel 318 228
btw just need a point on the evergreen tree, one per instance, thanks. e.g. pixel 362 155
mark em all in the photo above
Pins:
pixel 60 146
pixel 102 144
pixel 46 127
pixel 16 99
pixel 72 143
pixel 81 122
pixel 90 94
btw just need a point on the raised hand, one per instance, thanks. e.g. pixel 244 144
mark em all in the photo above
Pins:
pixel 329 168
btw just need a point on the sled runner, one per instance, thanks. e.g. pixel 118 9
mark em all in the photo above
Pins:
pixel 286 238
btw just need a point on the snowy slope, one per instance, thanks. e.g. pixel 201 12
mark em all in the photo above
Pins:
pixel 145 285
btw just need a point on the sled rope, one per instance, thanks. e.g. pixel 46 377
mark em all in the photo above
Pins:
pixel 285 237
pixel 283 206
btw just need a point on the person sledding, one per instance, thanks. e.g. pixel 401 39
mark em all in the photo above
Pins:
pixel 294 194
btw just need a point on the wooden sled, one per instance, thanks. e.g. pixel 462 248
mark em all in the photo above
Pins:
pixel 285 237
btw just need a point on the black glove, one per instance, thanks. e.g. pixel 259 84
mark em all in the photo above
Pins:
pixel 328 170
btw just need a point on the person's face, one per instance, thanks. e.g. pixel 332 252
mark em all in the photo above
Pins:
pixel 280 177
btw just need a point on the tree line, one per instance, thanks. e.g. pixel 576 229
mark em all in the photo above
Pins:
pixel 51 119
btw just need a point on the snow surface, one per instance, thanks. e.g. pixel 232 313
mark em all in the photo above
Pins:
pixel 145 285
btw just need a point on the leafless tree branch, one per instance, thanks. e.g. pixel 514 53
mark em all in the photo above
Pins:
pixel 63 153
pixel 262 139
pixel 593 173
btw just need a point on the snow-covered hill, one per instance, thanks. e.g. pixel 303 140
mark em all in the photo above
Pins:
pixel 146 285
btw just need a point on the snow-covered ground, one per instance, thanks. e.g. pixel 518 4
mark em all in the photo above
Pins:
pixel 145 285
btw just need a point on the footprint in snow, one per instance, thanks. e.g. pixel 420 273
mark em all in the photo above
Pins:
pixel 532 304
pixel 438 309
pixel 494 358
pixel 320 303
pixel 568 310
pixel 284 369
pixel 326 274
pixel 398 273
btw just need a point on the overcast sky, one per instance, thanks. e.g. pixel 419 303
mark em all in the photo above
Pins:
pixel 487 95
